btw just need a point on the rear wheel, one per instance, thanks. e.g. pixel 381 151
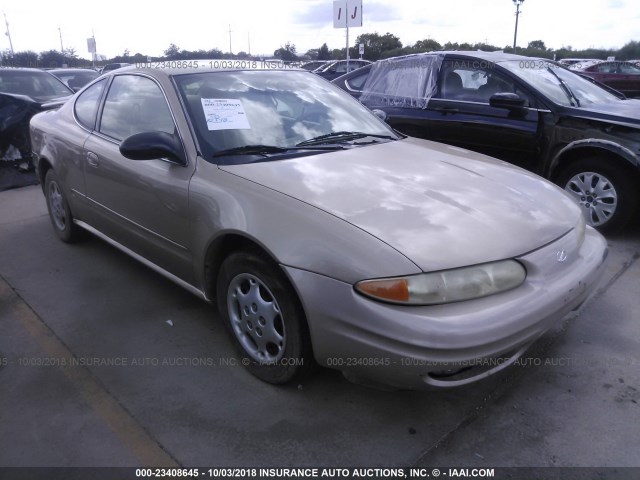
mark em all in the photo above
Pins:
pixel 606 192
pixel 59 211
pixel 264 317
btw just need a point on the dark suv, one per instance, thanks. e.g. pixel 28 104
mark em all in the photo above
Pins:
pixel 528 111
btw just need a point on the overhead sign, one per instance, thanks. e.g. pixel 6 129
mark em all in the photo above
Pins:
pixel 347 13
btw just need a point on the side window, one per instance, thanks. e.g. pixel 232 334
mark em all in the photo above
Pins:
pixel 86 106
pixel 629 69
pixel 357 82
pixel 341 67
pixel 475 81
pixel 135 104
pixel 606 67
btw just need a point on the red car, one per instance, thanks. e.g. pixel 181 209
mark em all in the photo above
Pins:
pixel 623 76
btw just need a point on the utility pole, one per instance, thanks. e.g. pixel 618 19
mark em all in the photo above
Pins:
pixel 230 51
pixel 249 42
pixel 515 35
pixel 61 47
pixel 8 34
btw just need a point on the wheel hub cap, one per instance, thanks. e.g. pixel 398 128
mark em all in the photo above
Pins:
pixel 595 194
pixel 57 207
pixel 256 318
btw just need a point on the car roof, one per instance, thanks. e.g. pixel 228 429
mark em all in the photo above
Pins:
pixel 54 70
pixel 22 69
pixel 494 57
pixel 171 72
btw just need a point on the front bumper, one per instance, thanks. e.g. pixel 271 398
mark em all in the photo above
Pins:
pixel 448 345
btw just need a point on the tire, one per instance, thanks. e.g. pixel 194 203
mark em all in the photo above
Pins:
pixel 59 211
pixel 607 192
pixel 264 318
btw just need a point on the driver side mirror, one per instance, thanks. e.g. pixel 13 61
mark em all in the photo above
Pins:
pixel 506 100
pixel 153 145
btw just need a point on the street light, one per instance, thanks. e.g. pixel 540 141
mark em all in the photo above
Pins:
pixel 515 35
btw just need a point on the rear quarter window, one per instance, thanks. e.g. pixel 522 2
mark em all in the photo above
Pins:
pixel 86 106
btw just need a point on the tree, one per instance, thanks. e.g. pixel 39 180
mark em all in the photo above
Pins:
pixel 323 52
pixel 427 45
pixel 338 54
pixel 173 52
pixel 311 54
pixel 286 53
pixel 375 44
pixel 537 45
pixel 630 51
pixel 52 59
pixel 23 59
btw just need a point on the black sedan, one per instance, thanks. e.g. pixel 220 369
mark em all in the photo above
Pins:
pixel 23 93
pixel 527 111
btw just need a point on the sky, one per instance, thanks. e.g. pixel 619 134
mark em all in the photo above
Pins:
pixel 262 26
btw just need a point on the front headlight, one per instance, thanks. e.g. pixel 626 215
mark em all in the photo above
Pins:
pixel 446 286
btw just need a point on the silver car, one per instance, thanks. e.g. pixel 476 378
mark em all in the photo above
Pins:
pixel 321 235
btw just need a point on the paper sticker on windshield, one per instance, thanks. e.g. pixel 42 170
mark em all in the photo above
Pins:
pixel 224 114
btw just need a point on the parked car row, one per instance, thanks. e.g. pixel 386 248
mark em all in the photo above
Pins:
pixel 335 69
pixel 321 234
pixel 529 112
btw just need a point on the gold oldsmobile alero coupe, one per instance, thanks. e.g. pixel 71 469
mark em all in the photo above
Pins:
pixel 322 235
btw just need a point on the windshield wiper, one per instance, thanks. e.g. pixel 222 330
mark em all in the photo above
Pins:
pixel 266 150
pixel 341 137
pixel 565 87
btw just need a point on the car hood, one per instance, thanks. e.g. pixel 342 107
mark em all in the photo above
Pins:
pixel 440 206
pixel 43 104
pixel 625 112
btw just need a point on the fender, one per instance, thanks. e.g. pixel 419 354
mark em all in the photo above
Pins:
pixel 592 143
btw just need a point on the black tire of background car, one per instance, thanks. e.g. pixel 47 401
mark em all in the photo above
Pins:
pixel 71 233
pixel 297 349
pixel 624 181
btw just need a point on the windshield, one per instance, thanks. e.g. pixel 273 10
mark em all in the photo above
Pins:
pixel 40 86
pixel 559 84
pixel 288 110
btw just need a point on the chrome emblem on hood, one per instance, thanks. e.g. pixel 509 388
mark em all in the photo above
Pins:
pixel 561 256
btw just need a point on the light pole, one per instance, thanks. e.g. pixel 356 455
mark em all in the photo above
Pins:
pixel 8 34
pixel 515 34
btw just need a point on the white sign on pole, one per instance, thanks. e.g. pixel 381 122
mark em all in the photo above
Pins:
pixel 91 45
pixel 361 49
pixel 347 13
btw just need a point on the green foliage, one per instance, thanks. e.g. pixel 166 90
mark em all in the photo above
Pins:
pixel 427 45
pixel 323 52
pixel 537 45
pixel 376 47
pixel 375 44
pixel 286 53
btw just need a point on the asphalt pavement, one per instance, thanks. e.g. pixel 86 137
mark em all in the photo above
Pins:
pixel 105 363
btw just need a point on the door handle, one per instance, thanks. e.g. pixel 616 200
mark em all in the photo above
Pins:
pixel 92 159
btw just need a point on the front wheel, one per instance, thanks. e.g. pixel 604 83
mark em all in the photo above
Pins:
pixel 606 192
pixel 264 317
